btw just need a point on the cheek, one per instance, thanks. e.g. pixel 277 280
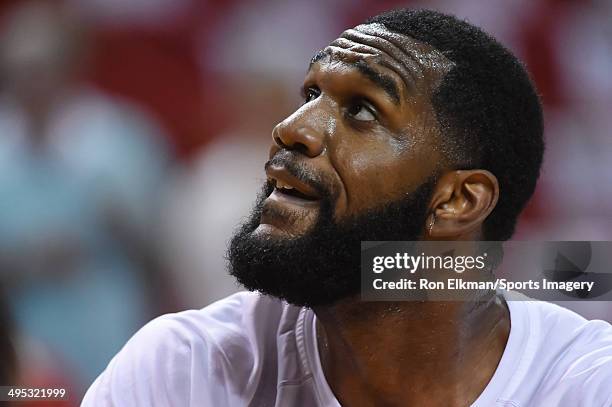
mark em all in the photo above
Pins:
pixel 376 172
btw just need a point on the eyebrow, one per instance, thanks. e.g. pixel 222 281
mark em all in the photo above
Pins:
pixel 383 81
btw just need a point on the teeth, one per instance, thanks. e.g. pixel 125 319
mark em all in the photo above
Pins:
pixel 282 185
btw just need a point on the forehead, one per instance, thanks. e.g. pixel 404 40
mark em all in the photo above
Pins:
pixel 417 65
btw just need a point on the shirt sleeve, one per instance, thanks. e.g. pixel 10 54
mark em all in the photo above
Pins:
pixel 208 357
pixel 153 369
pixel 178 360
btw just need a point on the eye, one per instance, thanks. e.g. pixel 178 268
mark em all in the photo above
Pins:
pixel 311 94
pixel 362 112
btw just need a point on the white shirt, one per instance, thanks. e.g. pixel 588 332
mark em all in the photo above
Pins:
pixel 252 350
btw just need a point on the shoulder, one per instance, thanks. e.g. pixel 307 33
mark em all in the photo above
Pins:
pixel 568 329
pixel 577 354
pixel 213 326
pixel 200 346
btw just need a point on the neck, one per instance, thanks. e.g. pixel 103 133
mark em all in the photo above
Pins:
pixel 411 353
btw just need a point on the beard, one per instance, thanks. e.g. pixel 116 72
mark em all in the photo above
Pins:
pixel 322 266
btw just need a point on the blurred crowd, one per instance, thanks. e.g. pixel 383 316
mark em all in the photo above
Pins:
pixel 133 136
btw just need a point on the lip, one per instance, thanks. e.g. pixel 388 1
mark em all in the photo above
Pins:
pixel 280 174
pixel 282 211
pixel 279 197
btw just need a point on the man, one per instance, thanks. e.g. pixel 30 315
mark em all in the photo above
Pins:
pixel 415 126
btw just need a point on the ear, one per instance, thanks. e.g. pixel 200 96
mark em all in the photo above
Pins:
pixel 461 202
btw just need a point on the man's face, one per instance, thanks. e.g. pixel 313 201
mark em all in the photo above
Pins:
pixel 365 135
pixel 357 161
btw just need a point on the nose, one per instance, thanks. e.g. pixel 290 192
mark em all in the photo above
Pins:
pixel 299 137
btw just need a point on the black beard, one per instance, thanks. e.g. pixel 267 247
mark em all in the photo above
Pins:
pixel 323 266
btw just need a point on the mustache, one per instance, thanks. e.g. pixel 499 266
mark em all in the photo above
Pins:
pixel 296 166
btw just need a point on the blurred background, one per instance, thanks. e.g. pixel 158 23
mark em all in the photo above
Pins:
pixel 133 136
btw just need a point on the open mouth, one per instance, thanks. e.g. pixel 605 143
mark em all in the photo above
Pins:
pixel 288 190
pixel 291 202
